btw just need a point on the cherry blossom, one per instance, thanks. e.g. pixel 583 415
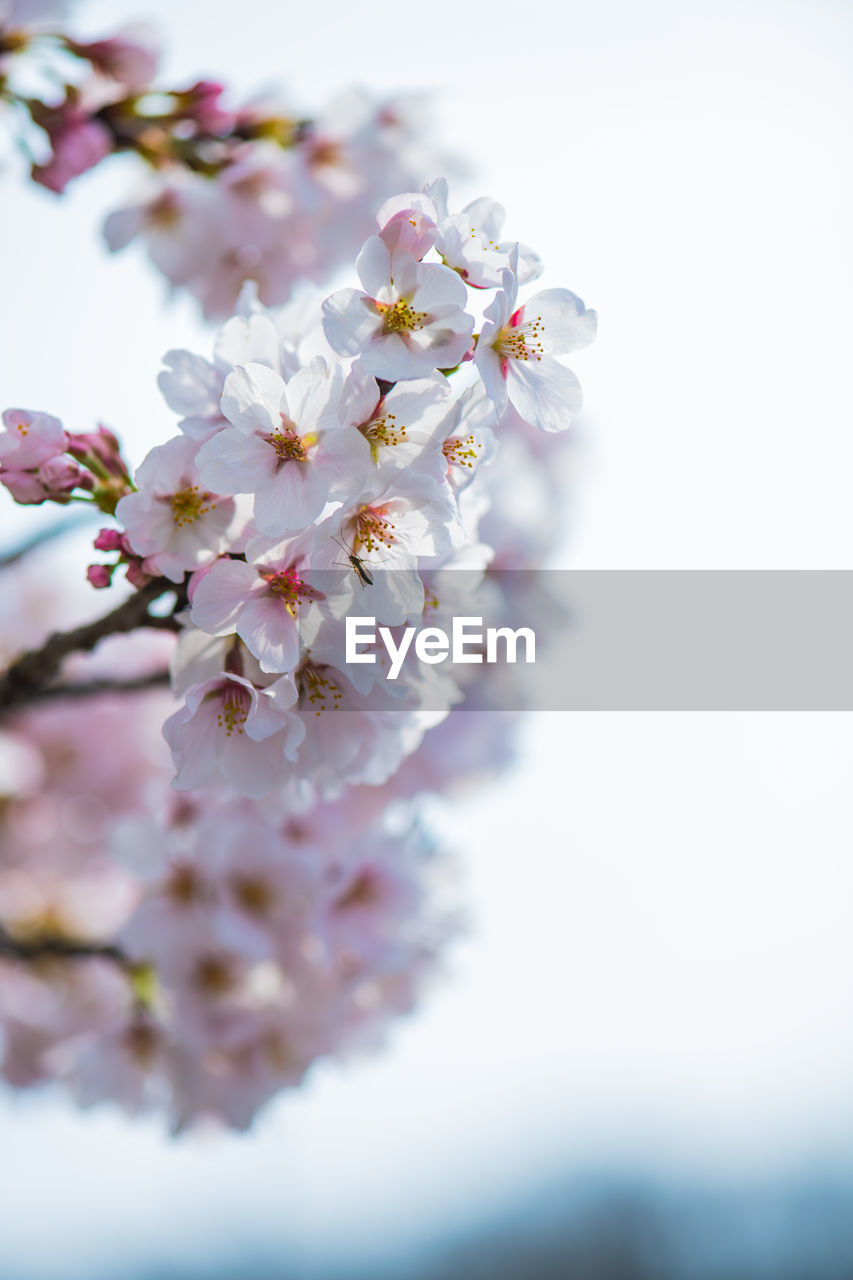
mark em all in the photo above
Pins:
pixel 192 385
pixel 215 869
pixel 32 463
pixel 174 521
pixel 398 517
pixel 30 439
pixel 409 320
pixel 230 729
pixel 470 242
pixel 405 427
pixel 516 353
pixel 266 600
pixel 286 445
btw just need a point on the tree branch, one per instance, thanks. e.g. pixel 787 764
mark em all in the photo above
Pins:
pixel 31 677
pixel 57 948
pixel 91 688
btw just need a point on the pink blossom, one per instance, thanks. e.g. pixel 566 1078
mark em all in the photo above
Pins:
pixel 398 517
pixel 78 141
pixel 408 222
pixel 99 575
pixel 30 439
pixel 266 600
pixel 233 731
pixel 129 57
pixel 174 521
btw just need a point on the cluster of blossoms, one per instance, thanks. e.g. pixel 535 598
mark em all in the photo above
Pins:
pixel 197 948
pixel 231 194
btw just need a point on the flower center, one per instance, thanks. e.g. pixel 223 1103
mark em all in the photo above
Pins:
pixel 142 1043
pixel 288 444
pixel 371 529
pixel 234 711
pixel 184 885
pixel 214 975
pixel 317 688
pixel 190 504
pixel 521 340
pixel 254 894
pixel 325 152
pixel 461 452
pixel 165 211
pixel 287 586
pixel 383 432
pixel 400 316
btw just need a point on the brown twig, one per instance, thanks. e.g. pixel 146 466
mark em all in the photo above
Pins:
pixel 33 674
pixel 92 688
pixel 57 949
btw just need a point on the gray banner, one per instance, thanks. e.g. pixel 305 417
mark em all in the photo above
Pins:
pixel 653 640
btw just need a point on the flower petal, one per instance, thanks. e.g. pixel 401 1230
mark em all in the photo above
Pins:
pixel 567 324
pixel 545 394
pixel 252 398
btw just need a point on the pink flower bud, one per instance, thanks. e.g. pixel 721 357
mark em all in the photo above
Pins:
pixel 99 449
pixel 136 575
pixel 60 476
pixel 78 139
pixel 76 149
pixel 129 57
pixel 24 486
pixel 200 103
pixel 411 230
pixel 99 575
pixel 108 540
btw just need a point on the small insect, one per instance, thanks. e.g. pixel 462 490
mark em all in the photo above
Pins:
pixel 357 563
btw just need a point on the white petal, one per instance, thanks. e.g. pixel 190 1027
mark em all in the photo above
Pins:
pixel 438 194
pixel 491 370
pixel 308 394
pixel 373 265
pixel 291 501
pixel 545 394
pixel 247 339
pixel 270 633
pixel 252 398
pixel 350 320
pixel 221 594
pixel 438 286
pixel 389 357
pixel 487 215
pixel 232 462
pixel 193 743
pixel 359 398
pixel 190 385
pixel 568 326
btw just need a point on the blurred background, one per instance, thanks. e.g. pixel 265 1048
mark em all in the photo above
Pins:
pixel 640 1061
